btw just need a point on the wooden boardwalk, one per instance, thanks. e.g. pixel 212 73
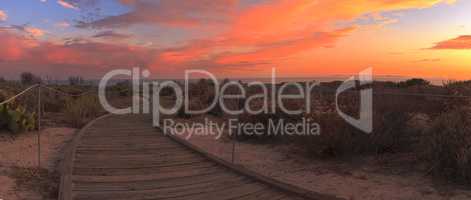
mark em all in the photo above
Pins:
pixel 124 158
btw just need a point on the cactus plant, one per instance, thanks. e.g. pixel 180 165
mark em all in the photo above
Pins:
pixel 16 120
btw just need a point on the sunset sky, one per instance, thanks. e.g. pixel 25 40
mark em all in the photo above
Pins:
pixel 236 38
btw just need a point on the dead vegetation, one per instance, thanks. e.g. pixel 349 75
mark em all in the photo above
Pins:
pixel 43 181
pixel 432 125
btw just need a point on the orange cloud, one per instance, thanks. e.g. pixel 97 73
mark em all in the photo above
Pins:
pixel 35 32
pixel 289 47
pixel 246 36
pixel 25 30
pixel 275 30
pixel 461 42
pixel 3 16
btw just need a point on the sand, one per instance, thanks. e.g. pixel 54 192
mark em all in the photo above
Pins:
pixel 22 152
pixel 339 179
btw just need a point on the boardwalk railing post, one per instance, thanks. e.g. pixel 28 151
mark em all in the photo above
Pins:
pixel 233 136
pixel 39 127
pixel 233 148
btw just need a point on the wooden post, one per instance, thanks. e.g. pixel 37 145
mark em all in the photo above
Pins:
pixel 39 127
pixel 233 147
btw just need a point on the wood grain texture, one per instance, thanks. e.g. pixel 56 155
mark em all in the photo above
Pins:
pixel 123 157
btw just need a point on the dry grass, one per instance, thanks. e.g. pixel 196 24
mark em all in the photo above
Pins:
pixel 447 145
pixel 43 181
pixel 79 111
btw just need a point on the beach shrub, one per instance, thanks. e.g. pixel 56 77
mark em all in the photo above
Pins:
pixel 391 132
pixel 16 120
pixel 122 88
pixel 3 95
pixel 79 111
pixel 413 82
pixel 76 80
pixel 53 102
pixel 457 88
pixel 262 118
pixel 182 113
pixel 447 145
pixel 336 137
pixel 28 78
pixel 195 103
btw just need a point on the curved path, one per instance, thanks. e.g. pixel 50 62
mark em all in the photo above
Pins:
pixel 123 157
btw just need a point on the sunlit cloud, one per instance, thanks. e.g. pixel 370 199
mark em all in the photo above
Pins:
pixel 25 30
pixel 190 13
pixel 222 35
pixel 62 24
pixel 429 60
pixel 32 31
pixel 35 32
pixel 14 45
pixel 3 16
pixel 460 42
pixel 87 55
pixel 293 27
pixel 66 4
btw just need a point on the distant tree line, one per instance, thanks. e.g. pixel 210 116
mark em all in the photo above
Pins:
pixel 413 82
pixel 76 80
pixel 28 78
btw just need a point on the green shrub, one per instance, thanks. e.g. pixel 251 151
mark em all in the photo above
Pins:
pixel 447 145
pixel 16 120
pixel 79 111
pixel 413 82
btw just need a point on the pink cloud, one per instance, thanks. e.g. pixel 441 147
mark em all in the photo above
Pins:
pixel 168 12
pixel 88 56
pixel 249 37
pixel 62 24
pixel 67 4
pixel 3 16
pixel 112 35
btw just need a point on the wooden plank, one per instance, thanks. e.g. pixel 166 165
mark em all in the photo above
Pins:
pixel 66 167
pixel 118 149
pixel 294 190
pixel 131 164
pixel 268 193
pixel 142 171
pixel 151 176
pixel 132 161
pixel 221 190
pixel 174 182
pixel 156 156
pixel 104 155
